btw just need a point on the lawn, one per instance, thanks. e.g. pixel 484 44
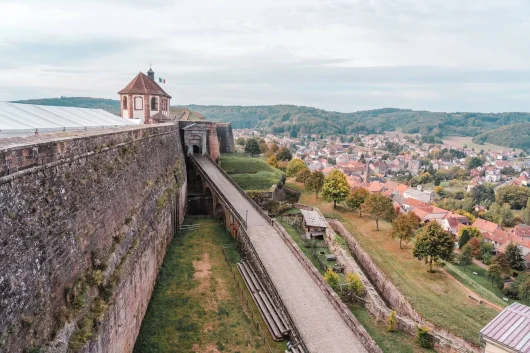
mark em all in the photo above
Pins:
pixel 195 306
pixel 461 141
pixel 481 279
pixel 250 173
pixel 435 296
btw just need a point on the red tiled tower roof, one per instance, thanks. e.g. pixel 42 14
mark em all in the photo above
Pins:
pixel 142 84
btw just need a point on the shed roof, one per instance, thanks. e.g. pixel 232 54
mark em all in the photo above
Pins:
pixel 314 219
pixel 511 328
pixel 24 119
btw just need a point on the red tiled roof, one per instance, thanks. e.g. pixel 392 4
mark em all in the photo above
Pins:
pixel 482 224
pixel 414 203
pixel 142 84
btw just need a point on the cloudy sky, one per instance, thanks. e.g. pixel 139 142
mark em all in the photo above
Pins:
pixel 442 55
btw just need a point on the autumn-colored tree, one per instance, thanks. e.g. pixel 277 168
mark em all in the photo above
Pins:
pixel 503 262
pixel 495 272
pixel 474 243
pixel 439 190
pixel 332 278
pixel 404 226
pixel 467 215
pixel 273 161
pixel 466 233
pixel 336 187
pixel 379 206
pixel 466 257
pixel 356 198
pixel 302 175
pixel 294 166
pixel 274 148
pixel 315 182
pixel 433 245
pixel 264 147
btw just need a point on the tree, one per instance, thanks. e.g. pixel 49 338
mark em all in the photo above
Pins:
pixel 274 148
pixel 240 141
pixel 475 244
pixel 272 161
pixel 466 214
pixel 336 187
pixel 433 245
pixel 515 195
pixel 391 321
pixel 524 289
pixel 404 226
pixel 465 258
pixel 294 166
pixel 252 147
pixel 356 198
pixel 439 190
pixel 379 206
pixel 302 175
pixel 495 272
pixel 264 148
pixel 515 257
pixel 525 213
pixel 474 162
pixel 502 261
pixel 284 155
pixel 355 286
pixel 502 215
pixel 466 233
pixel 315 182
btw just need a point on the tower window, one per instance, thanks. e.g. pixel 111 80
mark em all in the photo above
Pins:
pixel 138 103
pixel 154 104
pixel 124 103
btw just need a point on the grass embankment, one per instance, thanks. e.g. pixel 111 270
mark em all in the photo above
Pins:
pixel 196 306
pixel 435 296
pixel 391 342
pixel 250 173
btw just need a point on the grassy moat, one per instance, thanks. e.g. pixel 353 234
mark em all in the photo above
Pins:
pixel 196 305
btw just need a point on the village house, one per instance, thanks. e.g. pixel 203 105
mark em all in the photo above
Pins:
pixel 314 224
pixel 417 195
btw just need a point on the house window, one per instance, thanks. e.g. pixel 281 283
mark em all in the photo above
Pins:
pixel 138 103
pixel 124 103
pixel 154 104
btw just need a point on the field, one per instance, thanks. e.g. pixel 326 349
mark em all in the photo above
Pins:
pixel 195 306
pixel 250 173
pixel 461 141
pixel 435 296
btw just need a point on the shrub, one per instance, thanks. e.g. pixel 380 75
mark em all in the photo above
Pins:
pixel 355 286
pixel 424 336
pixel 332 278
pixel 391 321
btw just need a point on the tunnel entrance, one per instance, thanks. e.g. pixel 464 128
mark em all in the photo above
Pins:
pixel 196 149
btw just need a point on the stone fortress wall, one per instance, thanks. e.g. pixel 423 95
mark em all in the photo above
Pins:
pixel 85 222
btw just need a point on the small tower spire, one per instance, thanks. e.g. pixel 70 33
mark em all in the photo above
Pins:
pixel 151 73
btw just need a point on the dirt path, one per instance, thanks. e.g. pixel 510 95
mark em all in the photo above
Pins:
pixel 469 291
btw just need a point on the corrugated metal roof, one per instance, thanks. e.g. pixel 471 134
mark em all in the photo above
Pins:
pixel 511 328
pixel 24 119
pixel 314 219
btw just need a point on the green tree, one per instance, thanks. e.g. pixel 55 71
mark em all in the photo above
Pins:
pixel 466 257
pixel 433 245
pixel 294 166
pixel 502 261
pixel 284 155
pixel 380 207
pixel 474 162
pixel 240 141
pixel 315 182
pixel 524 289
pixel 356 198
pixel 525 213
pixel 466 233
pixel 502 215
pixel 515 195
pixel 302 175
pixel 495 273
pixel 355 285
pixel 252 147
pixel 336 187
pixel 404 226
pixel 515 257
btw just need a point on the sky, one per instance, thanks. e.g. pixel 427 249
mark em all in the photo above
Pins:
pixel 438 55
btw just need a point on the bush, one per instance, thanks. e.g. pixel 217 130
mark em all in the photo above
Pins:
pixel 424 336
pixel 332 278
pixel 355 286
pixel 391 321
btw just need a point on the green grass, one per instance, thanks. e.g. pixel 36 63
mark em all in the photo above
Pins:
pixel 195 308
pixel 389 342
pixel 436 296
pixel 481 278
pixel 250 173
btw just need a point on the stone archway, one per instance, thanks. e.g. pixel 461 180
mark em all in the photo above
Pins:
pixel 197 149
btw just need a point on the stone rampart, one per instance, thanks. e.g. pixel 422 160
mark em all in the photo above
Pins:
pixel 84 226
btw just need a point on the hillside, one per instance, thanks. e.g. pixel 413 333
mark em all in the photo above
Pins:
pixel 110 105
pixel 515 135
pixel 301 120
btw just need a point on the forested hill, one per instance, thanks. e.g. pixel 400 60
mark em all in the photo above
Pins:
pixel 280 118
pixel 110 105
pixel 515 135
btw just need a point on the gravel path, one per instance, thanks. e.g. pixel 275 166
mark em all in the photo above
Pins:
pixel 322 328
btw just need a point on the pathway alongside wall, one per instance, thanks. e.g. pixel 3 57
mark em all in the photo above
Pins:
pixel 321 326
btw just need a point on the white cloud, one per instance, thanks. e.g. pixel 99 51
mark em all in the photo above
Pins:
pixel 341 55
